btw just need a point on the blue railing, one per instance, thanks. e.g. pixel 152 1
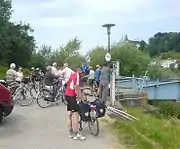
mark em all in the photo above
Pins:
pixel 159 90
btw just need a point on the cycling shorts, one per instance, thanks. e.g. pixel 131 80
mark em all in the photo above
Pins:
pixel 72 104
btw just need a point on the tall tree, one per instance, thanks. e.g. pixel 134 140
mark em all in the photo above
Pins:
pixel 164 42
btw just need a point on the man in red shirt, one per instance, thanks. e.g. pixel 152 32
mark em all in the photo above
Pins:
pixel 72 91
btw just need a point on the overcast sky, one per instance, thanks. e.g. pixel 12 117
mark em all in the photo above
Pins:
pixel 57 21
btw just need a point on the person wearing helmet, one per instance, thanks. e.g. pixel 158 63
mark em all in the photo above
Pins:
pixel 72 91
pixel 33 75
pixel 11 75
pixel 85 68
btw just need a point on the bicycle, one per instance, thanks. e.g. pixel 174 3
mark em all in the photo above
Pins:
pixel 89 114
pixel 20 95
pixel 51 94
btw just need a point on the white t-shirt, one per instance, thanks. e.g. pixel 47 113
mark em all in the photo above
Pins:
pixel 67 73
pixel 19 76
pixel 54 70
pixel 91 74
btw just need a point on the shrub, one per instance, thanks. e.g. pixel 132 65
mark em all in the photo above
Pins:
pixel 169 109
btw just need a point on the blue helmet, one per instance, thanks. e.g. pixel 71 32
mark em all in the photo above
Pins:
pixel 85 69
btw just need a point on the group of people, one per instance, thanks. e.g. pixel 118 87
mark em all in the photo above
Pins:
pixel 73 92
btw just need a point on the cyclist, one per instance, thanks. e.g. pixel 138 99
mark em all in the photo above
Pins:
pixel 66 72
pixel 20 75
pixel 54 68
pixel 73 90
pixel 49 81
pixel 11 75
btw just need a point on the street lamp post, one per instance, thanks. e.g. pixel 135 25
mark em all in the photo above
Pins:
pixel 108 58
pixel 108 26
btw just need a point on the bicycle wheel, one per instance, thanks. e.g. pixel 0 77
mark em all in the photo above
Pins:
pixel 63 99
pixel 25 98
pixel 91 123
pixel 33 91
pixel 40 98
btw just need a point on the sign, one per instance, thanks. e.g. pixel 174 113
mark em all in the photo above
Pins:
pixel 108 57
pixel 88 59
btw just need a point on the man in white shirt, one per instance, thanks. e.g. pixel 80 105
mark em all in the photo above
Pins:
pixel 66 73
pixel 54 69
pixel 19 75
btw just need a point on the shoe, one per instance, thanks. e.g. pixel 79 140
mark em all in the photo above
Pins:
pixel 71 135
pixel 79 136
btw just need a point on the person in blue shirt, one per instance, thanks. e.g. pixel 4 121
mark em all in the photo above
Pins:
pixel 97 74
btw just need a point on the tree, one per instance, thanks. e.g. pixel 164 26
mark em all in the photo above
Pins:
pixel 16 45
pixel 163 42
pixel 69 53
pixel 133 61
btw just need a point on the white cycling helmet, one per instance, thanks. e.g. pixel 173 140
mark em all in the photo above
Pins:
pixel 37 69
pixel 13 66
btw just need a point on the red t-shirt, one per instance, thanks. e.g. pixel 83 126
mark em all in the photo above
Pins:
pixel 73 80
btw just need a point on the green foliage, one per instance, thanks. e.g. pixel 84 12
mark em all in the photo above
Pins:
pixel 164 42
pixel 3 70
pixel 97 56
pixel 149 132
pixel 26 72
pixel 16 44
pixel 168 109
pixel 66 53
pixel 170 54
pixel 133 61
pixel 157 72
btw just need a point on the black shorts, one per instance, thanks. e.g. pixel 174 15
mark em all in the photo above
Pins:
pixel 72 104
pixel 91 81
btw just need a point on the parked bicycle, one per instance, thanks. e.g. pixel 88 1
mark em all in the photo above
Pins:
pixel 89 114
pixel 51 94
pixel 22 94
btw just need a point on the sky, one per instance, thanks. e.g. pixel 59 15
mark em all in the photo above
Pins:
pixel 57 21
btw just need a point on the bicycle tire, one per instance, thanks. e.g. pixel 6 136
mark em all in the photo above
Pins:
pixel 95 120
pixel 63 99
pixel 24 98
pixel 38 98
pixel 31 88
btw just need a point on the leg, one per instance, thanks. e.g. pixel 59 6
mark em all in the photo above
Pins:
pixel 69 116
pixel 75 120
pixel 105 93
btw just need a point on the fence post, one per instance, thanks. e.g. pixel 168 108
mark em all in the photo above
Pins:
pixel 113 87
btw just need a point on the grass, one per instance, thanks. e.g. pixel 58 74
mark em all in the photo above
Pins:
pixel 3 71
pixel 149 132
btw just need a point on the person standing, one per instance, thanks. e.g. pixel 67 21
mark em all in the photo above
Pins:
pixel 97 74
pixel 91 78
pixel 72 91
pixel 104 82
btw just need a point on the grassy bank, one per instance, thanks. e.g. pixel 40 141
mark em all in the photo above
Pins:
pixel 149 132
pixel 3 71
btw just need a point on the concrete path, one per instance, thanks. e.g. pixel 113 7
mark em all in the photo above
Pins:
pixel 36 128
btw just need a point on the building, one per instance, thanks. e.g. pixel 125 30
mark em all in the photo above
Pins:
pixel 136 42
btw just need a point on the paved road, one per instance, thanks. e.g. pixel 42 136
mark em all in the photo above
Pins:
pixel 36 128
